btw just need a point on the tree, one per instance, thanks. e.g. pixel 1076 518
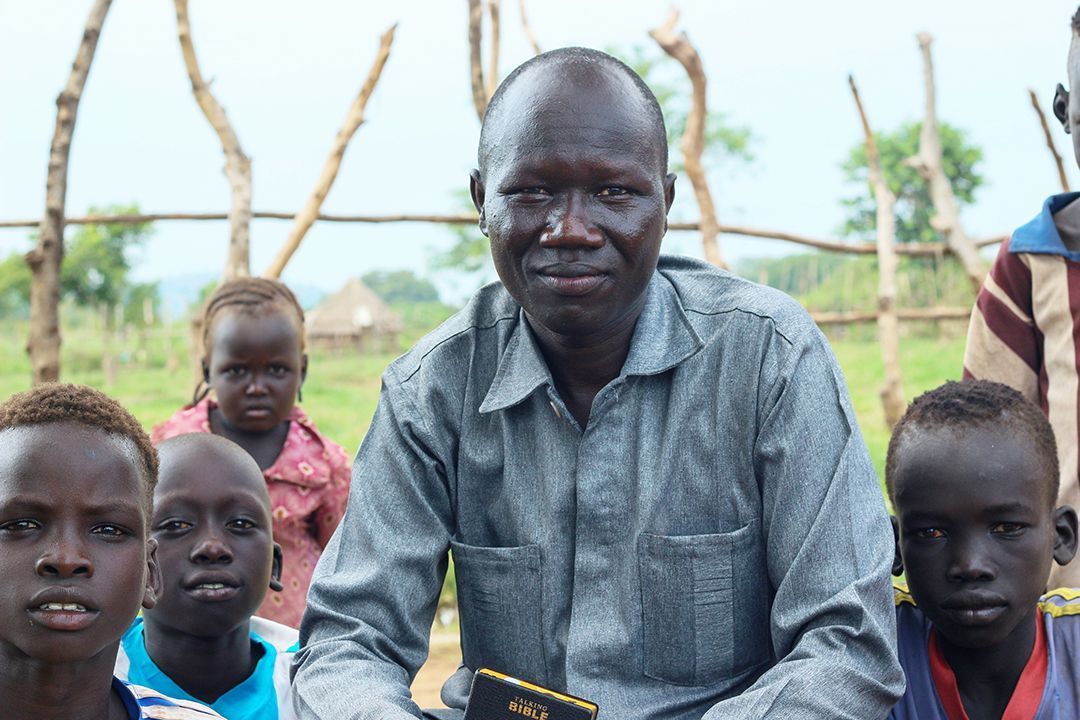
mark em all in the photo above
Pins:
pixel 671 86
pixel 96 265
pixel 14 286
pixel 401 286
pixel 914 208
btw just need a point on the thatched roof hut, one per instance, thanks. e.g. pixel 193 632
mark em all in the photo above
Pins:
pixel 353 318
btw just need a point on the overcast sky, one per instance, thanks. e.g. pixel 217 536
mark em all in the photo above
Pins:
pixel 287 71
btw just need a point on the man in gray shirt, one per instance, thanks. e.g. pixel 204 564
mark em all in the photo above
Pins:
pixel 647 470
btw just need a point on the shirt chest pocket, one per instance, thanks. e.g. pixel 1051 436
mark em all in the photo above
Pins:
pixel 499 601
pixel 705 605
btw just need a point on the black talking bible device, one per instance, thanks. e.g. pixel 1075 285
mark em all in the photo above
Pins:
pixel 495 696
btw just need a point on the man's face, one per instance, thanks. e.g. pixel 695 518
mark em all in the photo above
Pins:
pixel 74 557
pixel 574 198
pixel 215 544
pixel 977 531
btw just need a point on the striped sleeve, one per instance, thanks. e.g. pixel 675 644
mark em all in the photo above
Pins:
pixel 1003 342
pixel 155 706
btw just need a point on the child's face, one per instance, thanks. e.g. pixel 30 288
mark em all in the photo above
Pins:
pixel 255 367
pixel 977 532
pixel 215 545
pixel 74 558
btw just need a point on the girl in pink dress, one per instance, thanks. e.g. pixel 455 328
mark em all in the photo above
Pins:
pixel 254 365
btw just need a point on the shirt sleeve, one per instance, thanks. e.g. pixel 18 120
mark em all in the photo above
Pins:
pixel 828 546
pixel 336 495
pixel 374 592
pixel 1003 343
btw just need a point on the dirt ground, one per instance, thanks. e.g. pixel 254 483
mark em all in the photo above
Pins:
pixel 443 659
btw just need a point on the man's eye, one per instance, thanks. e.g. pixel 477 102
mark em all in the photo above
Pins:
pixel 241 524
pixel 613 191
pixel 930 533
pixel 1007 528
pixel 16 526
pixel 110 530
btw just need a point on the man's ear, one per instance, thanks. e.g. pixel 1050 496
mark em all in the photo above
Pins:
pixel 898 561
pixel 154 583
pixel 275 570
pixel 1061 106
pixel 476 190
pixel 1064 535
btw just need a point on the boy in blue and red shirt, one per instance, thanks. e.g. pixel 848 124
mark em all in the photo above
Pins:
pixel 973 476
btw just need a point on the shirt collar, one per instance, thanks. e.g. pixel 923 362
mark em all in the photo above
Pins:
pixel 662 339
pixel 1040 235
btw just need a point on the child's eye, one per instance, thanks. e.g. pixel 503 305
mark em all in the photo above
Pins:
pixel 235 371
pixel 174 526
pixel 930 533
pixel 1007 528
pixel 241 524
pixel 277 370
pixel 110 530
pixel 16 526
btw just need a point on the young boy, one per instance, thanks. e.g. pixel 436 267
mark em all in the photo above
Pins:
pixel 972 474
pixel 76 480
pixel 218 557
pixel 1025 328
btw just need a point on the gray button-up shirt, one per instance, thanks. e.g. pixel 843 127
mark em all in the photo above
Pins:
pixel 713 544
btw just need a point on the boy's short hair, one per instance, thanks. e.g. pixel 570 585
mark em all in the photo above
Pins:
pixel 1076 22
pixel 61 402
pixel 972 403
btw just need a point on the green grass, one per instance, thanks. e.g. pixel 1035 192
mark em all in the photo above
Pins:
pixel 342 390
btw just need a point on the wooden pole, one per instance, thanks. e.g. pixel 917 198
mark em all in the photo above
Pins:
pixel 529 34
pixel 892 392
pixel 44 260
pixel 353 119
pixel 237 164
pixel 493 51
pixel 1050 141
pixel 693 139
pixel 476 67
pixel 929 165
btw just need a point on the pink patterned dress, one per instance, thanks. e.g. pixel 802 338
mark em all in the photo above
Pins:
pixel 309 487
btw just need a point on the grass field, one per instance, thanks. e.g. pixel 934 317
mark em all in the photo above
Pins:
pixel 341 391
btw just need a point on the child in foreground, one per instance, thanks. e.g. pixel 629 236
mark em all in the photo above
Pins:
pixel 76 480
pixel 254 364
pixel 972 474
pixel 218 558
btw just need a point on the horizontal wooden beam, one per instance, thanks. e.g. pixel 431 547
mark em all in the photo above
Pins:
pixel 859 316
pixel 856 248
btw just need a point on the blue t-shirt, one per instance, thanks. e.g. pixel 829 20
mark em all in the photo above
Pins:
pixel 263 695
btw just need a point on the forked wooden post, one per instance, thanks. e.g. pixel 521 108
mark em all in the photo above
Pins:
pixel 928 163
pixel 237 164
pixel 693 140
pixel 892 392
pixel 44 260
pixel 1058 162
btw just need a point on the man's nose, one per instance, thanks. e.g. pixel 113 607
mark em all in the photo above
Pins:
pixel 970 561
pixel 66 558
pixel 211 548
pixel 571 225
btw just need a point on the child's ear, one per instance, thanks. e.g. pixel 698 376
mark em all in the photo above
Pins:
pixel 1061 106
pixel 154 582
pixel 275 570
pixel 303 368
pixel 898 561
pixel 1065 535
pixel 205 370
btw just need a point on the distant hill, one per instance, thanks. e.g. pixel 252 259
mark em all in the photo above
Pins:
pixel 178 292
